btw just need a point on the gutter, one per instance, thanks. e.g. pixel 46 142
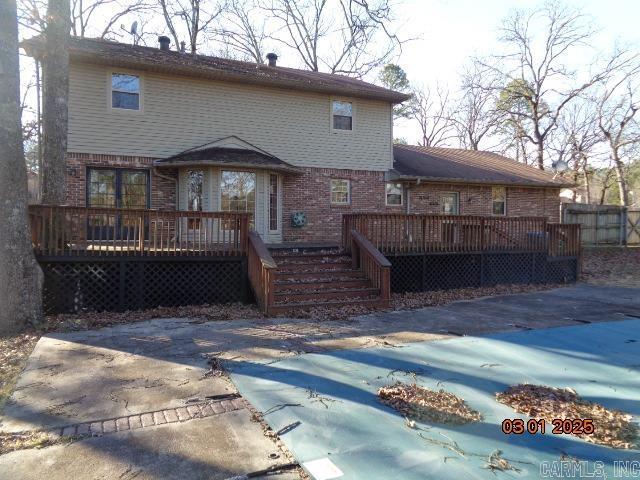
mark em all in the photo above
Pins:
pixel 418 179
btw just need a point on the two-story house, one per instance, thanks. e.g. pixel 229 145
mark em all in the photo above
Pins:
pixel 156 128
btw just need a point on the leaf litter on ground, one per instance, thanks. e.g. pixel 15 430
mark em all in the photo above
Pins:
pixel 613 428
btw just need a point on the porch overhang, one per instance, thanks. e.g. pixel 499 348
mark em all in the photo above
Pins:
pixel 227 158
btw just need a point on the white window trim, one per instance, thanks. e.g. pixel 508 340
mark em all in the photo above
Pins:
pixel 279 206
pixel 505 202
pixel 339 131
pixel 348 202
pixel 127 111
pixel 457 194
pixel 401 204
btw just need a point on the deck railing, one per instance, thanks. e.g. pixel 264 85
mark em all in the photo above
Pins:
pixel 373 264
pixel 262 269
pixel 564 239
pixel 76 231
pixel 400 233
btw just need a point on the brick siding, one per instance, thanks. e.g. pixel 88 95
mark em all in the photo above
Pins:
pixel 476 200
pixel 311 194
pixel 163 190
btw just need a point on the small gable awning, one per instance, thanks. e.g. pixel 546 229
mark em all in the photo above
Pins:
pixel 227 157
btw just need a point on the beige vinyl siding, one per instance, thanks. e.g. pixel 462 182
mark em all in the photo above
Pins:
pixel 180 112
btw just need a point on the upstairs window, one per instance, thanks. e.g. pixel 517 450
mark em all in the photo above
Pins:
pixel 125 91
pixel 340 192
pixel 394 194
pixel 499 200
pixel 342 115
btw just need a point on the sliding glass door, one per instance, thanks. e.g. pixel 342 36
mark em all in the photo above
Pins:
pixel 116 188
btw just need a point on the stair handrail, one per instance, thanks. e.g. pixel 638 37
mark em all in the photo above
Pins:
pixel 261 269
pixel 373 264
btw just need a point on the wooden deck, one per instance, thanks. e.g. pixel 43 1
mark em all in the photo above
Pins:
pixel 58 231
pixel 405 234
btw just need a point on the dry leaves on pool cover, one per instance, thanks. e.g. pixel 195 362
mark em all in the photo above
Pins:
pixel 419 403
pixel 611 427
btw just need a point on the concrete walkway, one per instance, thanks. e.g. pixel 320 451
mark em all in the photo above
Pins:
pixel 142 368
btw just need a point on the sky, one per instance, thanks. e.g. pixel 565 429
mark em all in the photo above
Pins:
pixel 448 32
pixel 452 31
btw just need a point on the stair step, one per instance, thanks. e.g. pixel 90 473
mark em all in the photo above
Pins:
pixel 306 264
pixel 325 274
pixel 332 294
pixel 288 259
pixel 365 302
pixel 305 254
pixel 312 284
pixel 314 267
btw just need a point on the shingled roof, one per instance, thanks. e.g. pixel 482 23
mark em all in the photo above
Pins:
pixel 227 157
pixel 451 165
pixel 123 55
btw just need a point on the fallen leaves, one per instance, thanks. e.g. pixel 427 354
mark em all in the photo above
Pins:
pixel 612 266
pixel 14 352
pixel 612 427
pixel 10 442
pixel 419 403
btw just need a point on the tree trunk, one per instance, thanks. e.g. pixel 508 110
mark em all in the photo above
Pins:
pixel 55 65
pixel 20 275
pixel 540 154
pixel 618 165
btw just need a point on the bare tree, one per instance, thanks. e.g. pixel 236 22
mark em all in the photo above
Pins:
pixel 193 18
pixel 96 18
pixel 20 275
pixel 575 141
pixel 431 110
pixel 617 120
pixel 243 31
pixel 477 116
pixel 335 35
pixel 538 43
pixel 55 63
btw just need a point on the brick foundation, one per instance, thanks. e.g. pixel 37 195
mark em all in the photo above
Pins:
pixel 163 190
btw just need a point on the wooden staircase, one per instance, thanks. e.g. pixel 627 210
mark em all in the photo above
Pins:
pixel 289 279
pixel 310 277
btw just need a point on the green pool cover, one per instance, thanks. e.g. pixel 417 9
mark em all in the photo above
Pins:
pixel 325 406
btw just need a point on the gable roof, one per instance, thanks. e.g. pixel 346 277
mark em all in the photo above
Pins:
pixel 123 55
pixel 452 165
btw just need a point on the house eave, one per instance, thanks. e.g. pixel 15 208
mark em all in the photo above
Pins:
pixel 213 163
pixel 426 179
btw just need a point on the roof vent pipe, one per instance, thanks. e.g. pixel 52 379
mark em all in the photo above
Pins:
pixel 272 58
pixel 164 43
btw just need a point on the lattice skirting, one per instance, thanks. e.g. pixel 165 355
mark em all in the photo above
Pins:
pixel 118 284
pixel 419 273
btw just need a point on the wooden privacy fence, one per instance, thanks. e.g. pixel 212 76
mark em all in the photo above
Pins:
pixel 400 233
pixel 75 231
pixel 604 224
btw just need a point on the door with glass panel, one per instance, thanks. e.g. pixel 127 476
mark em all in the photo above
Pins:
pixel 116 188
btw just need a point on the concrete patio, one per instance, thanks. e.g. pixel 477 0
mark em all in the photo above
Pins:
pixel 138 369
